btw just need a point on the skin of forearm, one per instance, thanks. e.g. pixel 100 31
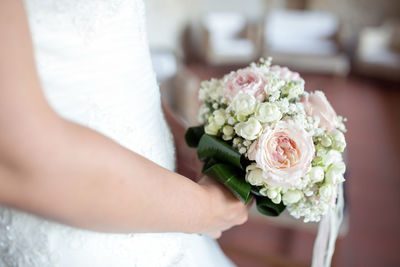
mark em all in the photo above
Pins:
pixel 79 177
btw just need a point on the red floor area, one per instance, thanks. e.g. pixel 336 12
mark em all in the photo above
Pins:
pixel 373 112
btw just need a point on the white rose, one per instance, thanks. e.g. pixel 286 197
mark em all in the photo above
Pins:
pixel 254 175
pixel 203 94
pixel 219 117
pixel 317 174
pixel 249 130
pixel 326 191
pixel 263 191
pixel 272 193
pixel 243 104
pixel 212 127
pixel 332 156
pixel 339 142
pixel 228 130
pixel 231 120
pixel 277 199
pixel 292 196
pixel 203 111
pixel 335 172
pixel 267 112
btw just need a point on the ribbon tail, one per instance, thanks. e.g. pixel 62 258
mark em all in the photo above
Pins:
pixel 328 230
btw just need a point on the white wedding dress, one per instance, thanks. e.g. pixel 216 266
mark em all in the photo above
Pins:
pixel 93 60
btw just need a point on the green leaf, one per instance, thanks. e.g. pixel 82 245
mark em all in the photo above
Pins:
pixel 211 147
pixel 230 176
pixel 267 207
pixel 193 135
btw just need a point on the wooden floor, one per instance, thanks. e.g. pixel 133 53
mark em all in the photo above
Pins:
pixel 373 186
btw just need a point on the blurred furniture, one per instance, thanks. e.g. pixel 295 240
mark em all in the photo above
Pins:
pixel 378 51
pixel 222 38
pixel 288 4
pixel 305 41
pixel 178 85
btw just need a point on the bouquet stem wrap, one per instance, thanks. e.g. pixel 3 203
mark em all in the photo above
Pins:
pixel 227 166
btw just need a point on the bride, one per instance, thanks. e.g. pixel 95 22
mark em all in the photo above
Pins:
pixel 86 157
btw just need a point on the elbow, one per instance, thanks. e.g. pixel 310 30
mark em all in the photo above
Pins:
pixel 24 162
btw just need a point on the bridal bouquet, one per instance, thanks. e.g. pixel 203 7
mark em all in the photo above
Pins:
pixel 264 136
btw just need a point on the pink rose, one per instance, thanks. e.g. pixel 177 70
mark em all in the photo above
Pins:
pixel 284 152
pixel 316 105
pixel 285 74
pixel 249 80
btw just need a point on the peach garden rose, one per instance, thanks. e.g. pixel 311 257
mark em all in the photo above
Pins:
pixel 248 80
pixel 284 152
pixel 285 74
pixel 316 105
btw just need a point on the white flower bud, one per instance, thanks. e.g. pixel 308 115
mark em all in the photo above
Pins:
pixel 243 104
pixel 219 117
pixel 335 172
pixel 277 199
pixel 339 142
pixel 215 105
pixel 317 174
pixel 268 112
pixel 227 137
pixel 240 117
pixel 254 175
pixel 292 196
pixel 202 94
pixel 247 143
pixel 332 156
pixel 263 191
pixel 308 193
pixel 228 130
pixel 242 150
pixel 249 130
pixel 326 141
pixel 326 191
pixel 231 120
pixel 237 141
pixel 272 193
pixel 211 129
pixel 203 112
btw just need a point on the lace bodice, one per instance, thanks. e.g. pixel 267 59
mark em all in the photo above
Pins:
pixel 94 65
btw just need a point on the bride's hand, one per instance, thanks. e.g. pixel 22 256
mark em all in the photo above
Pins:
pixel 225 210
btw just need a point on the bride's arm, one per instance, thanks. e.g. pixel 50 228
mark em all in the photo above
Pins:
pixel 74 175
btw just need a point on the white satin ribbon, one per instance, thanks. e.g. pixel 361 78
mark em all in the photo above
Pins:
pixel 328 230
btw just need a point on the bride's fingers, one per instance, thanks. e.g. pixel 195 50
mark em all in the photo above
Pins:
pixel 215 235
